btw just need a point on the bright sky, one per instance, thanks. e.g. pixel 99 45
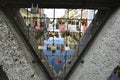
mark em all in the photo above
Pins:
pixel 58 12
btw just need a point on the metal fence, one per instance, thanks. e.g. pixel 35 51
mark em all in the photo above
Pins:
pixel 81 41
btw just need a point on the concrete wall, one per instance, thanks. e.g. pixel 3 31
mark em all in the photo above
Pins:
pixel 104 54
pixel 14 57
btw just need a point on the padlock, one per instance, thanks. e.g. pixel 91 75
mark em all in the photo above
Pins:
pixel 40 47
pixel 59 61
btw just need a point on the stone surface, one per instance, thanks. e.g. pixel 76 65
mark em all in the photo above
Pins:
pixel 14 57
pixel 104 54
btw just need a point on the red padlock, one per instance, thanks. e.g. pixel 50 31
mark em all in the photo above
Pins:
pixel 59 61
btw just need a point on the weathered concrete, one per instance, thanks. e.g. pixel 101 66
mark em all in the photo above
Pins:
pixel 14 57
pixel 104 54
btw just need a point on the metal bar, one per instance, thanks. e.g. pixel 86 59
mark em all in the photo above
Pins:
pixel 61 18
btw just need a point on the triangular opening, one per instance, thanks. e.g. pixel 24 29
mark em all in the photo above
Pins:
pixel 57 35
